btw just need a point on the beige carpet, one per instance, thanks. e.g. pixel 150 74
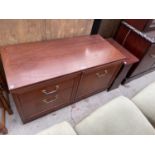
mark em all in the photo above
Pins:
pixel 77 111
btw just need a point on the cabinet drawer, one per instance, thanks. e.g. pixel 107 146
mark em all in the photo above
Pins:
pixel 32 105
pixel 49 86
pixel 97 79
pixel 44 90
pixel 42 98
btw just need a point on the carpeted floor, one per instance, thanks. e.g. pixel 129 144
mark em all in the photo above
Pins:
pixel 75 112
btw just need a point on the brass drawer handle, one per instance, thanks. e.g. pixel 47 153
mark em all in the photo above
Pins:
pixel 51 92
pixel 99 75
pixel 152 56
pixel 50 101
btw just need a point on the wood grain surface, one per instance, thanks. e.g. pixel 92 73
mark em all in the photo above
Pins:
pixel 56 58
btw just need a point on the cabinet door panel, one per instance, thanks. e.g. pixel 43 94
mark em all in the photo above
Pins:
pixel 97 79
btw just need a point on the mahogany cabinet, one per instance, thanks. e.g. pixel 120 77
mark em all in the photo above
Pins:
pixel 142 24
pixel 45 76
pixel 140 44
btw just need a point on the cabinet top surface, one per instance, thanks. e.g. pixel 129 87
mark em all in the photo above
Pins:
pixel 29 63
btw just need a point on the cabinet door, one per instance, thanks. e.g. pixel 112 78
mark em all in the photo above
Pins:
pixel 97 79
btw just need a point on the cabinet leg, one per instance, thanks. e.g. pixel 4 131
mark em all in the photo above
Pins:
pixel 3 129
pixel 6 104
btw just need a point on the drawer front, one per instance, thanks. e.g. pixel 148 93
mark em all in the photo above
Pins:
pixel 42 98
pixel 97 79
pixel 48 86
pixel 45 91
pixel 33 106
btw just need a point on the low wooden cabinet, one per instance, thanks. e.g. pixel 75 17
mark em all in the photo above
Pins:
pixel 45 76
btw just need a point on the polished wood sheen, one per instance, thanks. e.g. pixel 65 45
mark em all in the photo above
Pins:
pixel 26 64
pixel 45 76
pixel 130 58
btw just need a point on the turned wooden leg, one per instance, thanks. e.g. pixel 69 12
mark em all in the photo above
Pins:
pixel 5 104
pixel 3 129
